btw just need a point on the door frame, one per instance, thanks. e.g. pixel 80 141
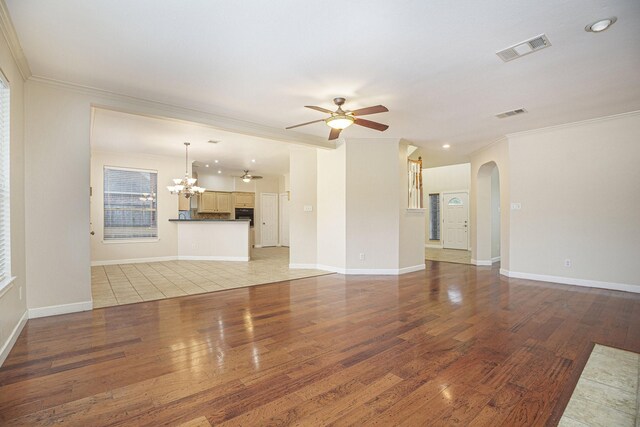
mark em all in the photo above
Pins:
pixel 277 198
pixel 280 217
pixel 443 213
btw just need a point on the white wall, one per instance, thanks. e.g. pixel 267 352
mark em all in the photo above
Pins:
pixel 412 223
pixel 332 199
pixel 579 187
pixel 215 182
pixel 12 306
pixel 442 179
pixel 303 225
pixel 167 243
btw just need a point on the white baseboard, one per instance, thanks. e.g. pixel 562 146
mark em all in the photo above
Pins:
pixel 362 271
pixel 432 246
pixel 54 310
pixel 133 260
pixel 212 258
pixel 304 266
pixel 257 246
pixel 13 336
pixel 495 259
pixel 481 262
pixel 573 281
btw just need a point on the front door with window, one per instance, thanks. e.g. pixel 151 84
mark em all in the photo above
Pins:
pixel 456 220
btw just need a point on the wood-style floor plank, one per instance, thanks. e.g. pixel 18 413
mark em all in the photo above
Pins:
pixel 452 345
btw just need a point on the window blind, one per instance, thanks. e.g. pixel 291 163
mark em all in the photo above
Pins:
pixel 130 204
pixel 5 213
pixel 434 214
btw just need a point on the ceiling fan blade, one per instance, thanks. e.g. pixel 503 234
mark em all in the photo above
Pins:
pixel 256 177
pixel 370 110
pixel 303 124
pixel 370 124
pixel 322 110
pixel 334 134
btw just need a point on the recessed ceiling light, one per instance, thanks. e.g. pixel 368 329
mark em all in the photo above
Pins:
pixel 215 161
pixel 600 25
pixel 446 146
pixel 206 166
pixel 253 160
pixel 219 171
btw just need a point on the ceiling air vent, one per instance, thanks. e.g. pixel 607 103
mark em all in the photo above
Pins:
pixel 511 113
pixel 524 48
pixel 212 141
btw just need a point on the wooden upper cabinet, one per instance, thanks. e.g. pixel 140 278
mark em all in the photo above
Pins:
pixel 223 202
pixel 244 200
pixel 183 203
pixel 214 202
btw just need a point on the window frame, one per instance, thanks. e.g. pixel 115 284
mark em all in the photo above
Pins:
pixel 6 278
pixel 133 239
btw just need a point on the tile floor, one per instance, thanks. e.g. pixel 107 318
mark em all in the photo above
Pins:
pixel 448 255
pixel 607 391
pixel 129 283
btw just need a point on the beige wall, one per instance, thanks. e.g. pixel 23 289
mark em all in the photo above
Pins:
pixel 412 223
pixel 442 179
pixel 13 298
pixel 373 186
pixel 167 244
pixel 480 201
pixel 332 199
pixel 303 225
pixel 579 187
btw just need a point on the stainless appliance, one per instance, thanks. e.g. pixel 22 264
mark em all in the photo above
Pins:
pixel 245 213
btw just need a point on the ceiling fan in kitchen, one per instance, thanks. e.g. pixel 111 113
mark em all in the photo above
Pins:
pixel 247 177
pixel 342 119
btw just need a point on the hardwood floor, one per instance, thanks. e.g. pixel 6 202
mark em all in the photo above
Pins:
pixel 452 345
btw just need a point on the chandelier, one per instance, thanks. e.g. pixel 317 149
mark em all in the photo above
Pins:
pixel 185 186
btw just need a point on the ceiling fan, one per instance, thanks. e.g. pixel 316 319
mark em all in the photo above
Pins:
pixel 341 119
pixel 247 177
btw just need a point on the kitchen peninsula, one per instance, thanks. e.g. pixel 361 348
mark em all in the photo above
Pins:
pixel 213 239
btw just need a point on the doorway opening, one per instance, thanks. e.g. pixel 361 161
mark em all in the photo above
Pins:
pixel 488 215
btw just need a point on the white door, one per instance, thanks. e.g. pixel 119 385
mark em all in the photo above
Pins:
pixel 268 219
pixel 455 219
pixel 284 219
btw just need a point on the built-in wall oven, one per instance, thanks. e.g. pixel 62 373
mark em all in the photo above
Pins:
pixel 245 213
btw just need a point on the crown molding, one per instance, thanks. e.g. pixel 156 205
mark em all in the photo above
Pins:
pixel 144 107
pixel 10 35
pixel 573 124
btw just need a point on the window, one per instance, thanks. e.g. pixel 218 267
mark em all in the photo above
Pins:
pixel 455 202
pixel 5 212
pixel 130 204
pixel 434 214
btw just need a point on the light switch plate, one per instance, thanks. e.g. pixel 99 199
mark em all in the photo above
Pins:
pixel 516 206
pixel 308 208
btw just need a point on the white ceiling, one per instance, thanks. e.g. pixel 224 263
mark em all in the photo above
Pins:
pixel 432 63
pixel 129 133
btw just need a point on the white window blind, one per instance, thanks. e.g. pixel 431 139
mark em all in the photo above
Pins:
pixel 130 204
pixel 5 213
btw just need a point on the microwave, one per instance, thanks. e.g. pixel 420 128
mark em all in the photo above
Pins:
pixel 245 213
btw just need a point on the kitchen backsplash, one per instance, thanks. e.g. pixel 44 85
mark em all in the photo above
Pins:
pixel 196 215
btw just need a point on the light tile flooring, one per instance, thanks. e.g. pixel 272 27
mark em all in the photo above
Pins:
pixel 448 255
pixel 607 392
pixel 129 283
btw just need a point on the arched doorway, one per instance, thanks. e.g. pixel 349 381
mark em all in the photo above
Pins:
pixel 488 215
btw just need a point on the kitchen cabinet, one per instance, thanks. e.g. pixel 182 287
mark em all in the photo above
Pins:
pixel 214 202
pixel 244 200
pixel 183 203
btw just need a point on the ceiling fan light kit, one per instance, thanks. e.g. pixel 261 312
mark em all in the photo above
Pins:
pixel 340 119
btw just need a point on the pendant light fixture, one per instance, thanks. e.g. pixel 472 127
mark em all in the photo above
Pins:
pixel 185 186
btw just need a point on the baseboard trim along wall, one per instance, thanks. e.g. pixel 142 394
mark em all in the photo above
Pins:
pixel 481 262
pixel 363 271
pixel 572 281
pixel 13 337
pixel 53 310
pixel 133 260
pixel 432 246
pixel 495 259
pixel 213 258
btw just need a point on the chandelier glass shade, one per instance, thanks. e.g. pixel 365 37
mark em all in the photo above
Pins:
pixel 185 186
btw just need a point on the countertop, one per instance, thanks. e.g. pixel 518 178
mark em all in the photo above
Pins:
pixel 209 220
